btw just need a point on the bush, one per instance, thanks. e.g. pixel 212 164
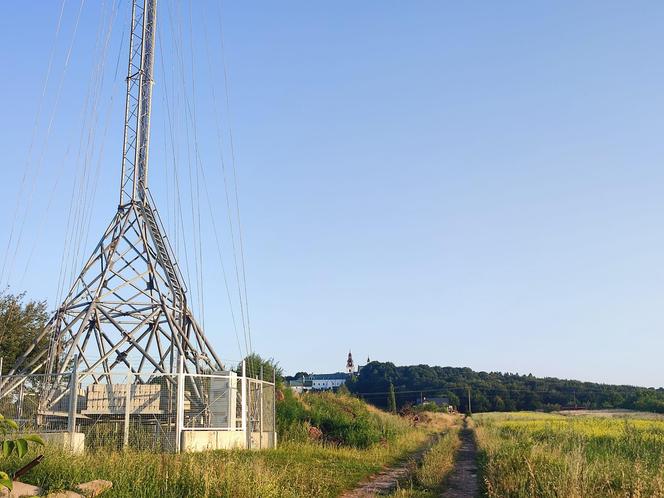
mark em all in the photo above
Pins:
pixel 428 407
pixel 291 418
pixel 342 419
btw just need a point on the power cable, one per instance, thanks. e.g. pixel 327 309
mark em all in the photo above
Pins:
pixel 235 181
pixel 222 166
pixel 19 194
pixel 40 160
pixel 84 188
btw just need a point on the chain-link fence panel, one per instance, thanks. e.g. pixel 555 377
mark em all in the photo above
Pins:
pixel 143 412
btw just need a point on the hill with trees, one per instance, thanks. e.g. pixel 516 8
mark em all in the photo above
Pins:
pixel 495 391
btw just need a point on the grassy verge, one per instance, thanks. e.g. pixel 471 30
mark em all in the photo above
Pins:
pixel 294 469
pixel 354 441
pixel 528 454
pixel 336 418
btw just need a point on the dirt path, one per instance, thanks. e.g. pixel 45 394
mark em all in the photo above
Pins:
pixel 462 483
pixel 387 480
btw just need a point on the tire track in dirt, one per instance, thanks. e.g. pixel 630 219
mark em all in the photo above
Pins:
pixel 387 480
pixel 462 482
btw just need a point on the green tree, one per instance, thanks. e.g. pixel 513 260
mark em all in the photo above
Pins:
pixel 20 324
pixel 253 364
pixel 497 391
pixel 454 399
pixel 392 399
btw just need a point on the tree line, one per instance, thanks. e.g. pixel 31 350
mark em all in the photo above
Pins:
pixel 495 391
pixel 384 384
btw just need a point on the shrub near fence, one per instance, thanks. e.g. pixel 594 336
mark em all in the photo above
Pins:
pixel 341 418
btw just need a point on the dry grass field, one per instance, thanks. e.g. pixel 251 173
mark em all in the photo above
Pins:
pixel 582 456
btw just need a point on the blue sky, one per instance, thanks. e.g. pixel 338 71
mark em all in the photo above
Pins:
pixel 457 184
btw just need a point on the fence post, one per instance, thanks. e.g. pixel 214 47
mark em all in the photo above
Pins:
pixel 73 401
pixel 260 439
pixel 2 360
pixel 247 432
pixel 274 408
pixel 21 398
pixel 179 405
pixel 127 413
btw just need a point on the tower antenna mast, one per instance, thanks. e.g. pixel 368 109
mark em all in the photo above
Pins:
pixel 127 310
pixel 138 106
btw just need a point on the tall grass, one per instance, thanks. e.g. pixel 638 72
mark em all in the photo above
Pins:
pixel 342 419
pixel 428 477
pixel 300 467
pixel 524 455
pixel 293 470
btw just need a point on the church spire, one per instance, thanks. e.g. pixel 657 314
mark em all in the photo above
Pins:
pixel 350 364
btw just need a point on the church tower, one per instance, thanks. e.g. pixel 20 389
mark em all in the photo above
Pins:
pixel 350 364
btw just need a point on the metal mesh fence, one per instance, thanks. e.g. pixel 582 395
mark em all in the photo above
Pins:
pixel 37 401
pixel 211 402
pixel 119 410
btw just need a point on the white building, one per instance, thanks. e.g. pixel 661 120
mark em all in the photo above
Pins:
pixel 326 381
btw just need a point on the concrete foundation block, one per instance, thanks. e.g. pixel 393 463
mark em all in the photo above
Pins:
pixel 263 441
pixel 225 440
pixel 71 442
pixel 213 440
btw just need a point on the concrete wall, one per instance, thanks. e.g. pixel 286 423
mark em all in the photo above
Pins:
pixel 212 440
pixel 72 442
pixel 225 440
pixel 268 440
pixel 192 441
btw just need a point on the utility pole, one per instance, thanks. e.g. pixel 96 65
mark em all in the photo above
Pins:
pixel 470 408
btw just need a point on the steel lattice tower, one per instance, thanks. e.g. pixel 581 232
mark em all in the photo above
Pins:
pixel 127 310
